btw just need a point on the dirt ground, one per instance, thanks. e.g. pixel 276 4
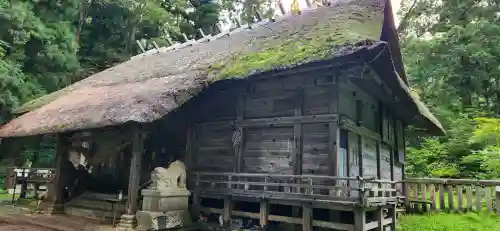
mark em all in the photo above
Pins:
pixel 17 219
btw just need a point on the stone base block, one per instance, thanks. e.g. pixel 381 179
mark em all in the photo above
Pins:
pixel 147 220
pixel 54 209
pixel 127 222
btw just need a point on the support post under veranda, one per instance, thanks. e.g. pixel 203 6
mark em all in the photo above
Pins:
pixel 128 220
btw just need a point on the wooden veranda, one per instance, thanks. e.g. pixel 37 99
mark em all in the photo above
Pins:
pixel 372 202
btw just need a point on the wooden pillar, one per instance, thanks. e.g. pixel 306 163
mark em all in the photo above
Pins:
pixel 127 221
pixel 307 217
pixel 359 219
pixel 264 214
pixel 393 215
pixel 228 208
pixel 56 188
pixel 240 115
pixel 297 133
pixel 379 216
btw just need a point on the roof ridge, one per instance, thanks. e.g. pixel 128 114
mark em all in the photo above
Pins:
pixel 208 38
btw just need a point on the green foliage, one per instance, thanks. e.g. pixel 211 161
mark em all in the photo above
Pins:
pixel 449 222
pixel 450 51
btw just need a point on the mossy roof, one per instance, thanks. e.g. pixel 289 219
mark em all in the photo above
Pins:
pixel 147 88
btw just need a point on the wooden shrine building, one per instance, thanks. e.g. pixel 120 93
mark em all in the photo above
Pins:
pixel 301 118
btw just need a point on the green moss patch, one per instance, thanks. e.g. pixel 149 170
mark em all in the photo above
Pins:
pixel 317 43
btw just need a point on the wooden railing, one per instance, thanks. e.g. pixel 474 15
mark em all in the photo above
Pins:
pixel 345 190
pixel 453 195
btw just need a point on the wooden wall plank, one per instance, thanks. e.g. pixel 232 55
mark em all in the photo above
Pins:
pixel 214 151
pixel 315 149
pixel 317 100
pixel 216 106
pixel 369 158
pixel 268 154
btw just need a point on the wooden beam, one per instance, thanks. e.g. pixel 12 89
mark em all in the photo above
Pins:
pixel 287 121
pixel 348 124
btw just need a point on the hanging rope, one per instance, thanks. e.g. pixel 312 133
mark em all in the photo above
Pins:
pixel 295 7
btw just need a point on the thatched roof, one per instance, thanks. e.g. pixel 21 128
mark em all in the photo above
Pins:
pixel 147 88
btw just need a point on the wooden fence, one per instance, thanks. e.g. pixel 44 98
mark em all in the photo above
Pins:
pixel 452 195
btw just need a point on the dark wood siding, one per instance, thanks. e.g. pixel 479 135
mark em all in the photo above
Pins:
pixel 315 149
pixel 215 150
pixel 216 106
pixel 268 150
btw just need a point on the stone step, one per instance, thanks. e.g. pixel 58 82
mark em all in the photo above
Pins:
pixel 96 204
pixel 93 213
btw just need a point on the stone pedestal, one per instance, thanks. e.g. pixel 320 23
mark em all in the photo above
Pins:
pixel 55 209
pixel 127 222
pixel 165 208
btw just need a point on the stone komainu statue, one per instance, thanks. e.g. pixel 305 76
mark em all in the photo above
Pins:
pixel 172 177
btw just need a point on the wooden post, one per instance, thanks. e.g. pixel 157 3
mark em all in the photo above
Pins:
pixel 56 188
pixel 228 208
pixel 264 214
pixel 360 155
pixel 307 217
pixel 196 197
pixel 432 191
pixel 127 221
pixel 459 198
pixel 449 188
pixel 240 115
pixel 359 219
pixel 487 196
pixel 379 215
pixel 393 215
pixel 468 191
pixel 442 206
pixel 379 166
pixel 424 197
pixel 406 192
pixel 297 133
pixel 479 206
pixel 497 200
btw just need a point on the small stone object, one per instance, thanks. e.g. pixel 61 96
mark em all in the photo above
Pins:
pixel 165 201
